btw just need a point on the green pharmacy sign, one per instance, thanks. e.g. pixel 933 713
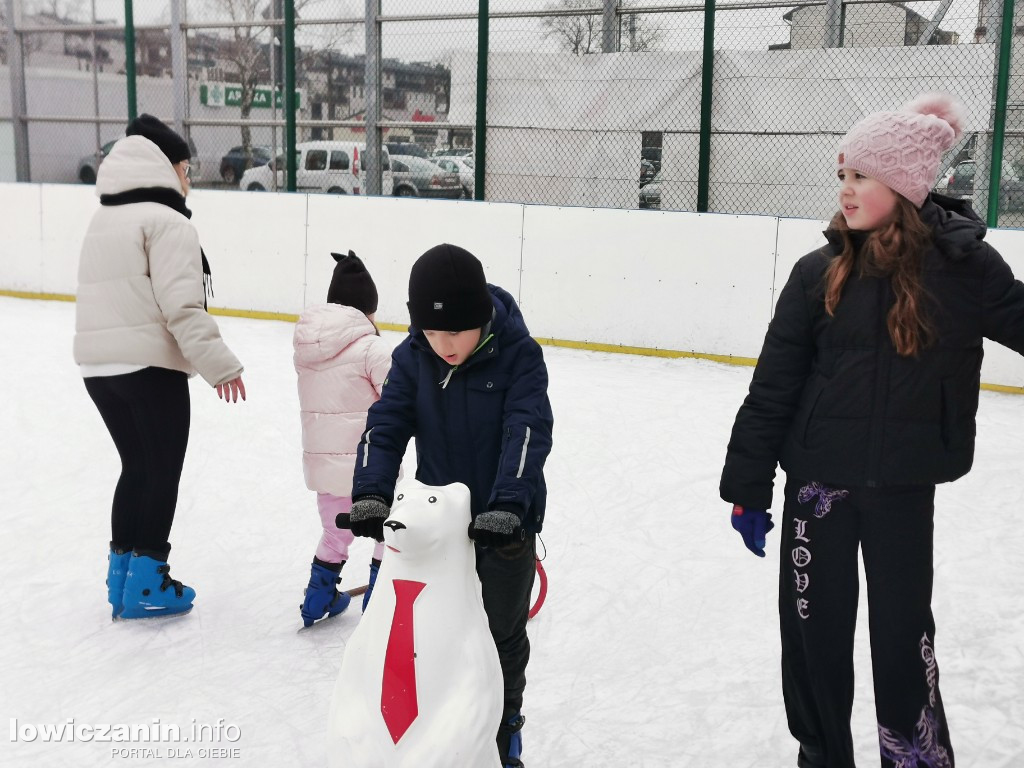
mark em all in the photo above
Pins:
pixel 230 95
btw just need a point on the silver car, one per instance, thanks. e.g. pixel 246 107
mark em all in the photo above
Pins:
pixel 416 177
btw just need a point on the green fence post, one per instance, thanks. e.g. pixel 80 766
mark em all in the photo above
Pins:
pixel 129 59
pixel 480 145
pixel 289 89
pixel 706 84
pixel 995 170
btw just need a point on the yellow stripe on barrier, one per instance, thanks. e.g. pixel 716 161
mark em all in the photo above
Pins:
pixel 254 314
pixel 589 346
pixel 38 296
pixel 592 346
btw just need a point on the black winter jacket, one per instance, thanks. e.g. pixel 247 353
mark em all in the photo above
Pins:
pixel 832 401
pixel 487 423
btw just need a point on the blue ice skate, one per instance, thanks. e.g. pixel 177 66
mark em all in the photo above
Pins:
pixel 149 590
pixel 510 741
pixel 117 572
pixel 374 567
pixel 322 598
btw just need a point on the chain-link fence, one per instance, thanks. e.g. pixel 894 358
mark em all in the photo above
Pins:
pixel 615 103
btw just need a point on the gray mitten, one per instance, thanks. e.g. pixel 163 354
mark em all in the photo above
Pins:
pixel 496 528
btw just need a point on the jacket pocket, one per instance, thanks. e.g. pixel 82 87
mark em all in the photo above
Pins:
pixel 486 401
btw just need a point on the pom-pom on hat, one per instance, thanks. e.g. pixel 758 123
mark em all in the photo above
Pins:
pixel 903 149
pixel 352 285
pixel 169 142
pixel 448 291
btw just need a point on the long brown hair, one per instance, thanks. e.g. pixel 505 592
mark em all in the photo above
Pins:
pixel 895 250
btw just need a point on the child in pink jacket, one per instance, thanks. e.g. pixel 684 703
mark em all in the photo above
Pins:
pixel 342 362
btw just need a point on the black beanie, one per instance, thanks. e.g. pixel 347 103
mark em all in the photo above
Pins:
pixel 352 284
pixel 170 143
pixel 448 291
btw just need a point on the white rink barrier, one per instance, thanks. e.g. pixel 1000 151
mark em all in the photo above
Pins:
pixel 654 282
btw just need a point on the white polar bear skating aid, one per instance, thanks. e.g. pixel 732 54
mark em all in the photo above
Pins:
pixel 420 683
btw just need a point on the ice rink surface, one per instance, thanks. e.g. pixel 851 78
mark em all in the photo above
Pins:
pixel 657 645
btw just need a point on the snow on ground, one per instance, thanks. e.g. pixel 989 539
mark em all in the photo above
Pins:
pixel 658 642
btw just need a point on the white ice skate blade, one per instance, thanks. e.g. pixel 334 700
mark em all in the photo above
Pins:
pixel 151 616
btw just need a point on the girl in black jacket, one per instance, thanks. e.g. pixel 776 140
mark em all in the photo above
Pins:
pixel 865 392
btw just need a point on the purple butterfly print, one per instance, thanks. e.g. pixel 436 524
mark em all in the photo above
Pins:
pixel 825 496
pixel 924 752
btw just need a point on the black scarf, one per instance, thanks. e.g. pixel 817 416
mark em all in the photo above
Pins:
pixel 171 199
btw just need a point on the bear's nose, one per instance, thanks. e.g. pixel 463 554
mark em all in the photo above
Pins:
pixel 394 525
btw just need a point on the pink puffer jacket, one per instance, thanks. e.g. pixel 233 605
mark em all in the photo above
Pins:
pixel 342 365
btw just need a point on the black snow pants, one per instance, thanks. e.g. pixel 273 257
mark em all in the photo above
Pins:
pixel 147 414
pixel 818 594
pixel 506 577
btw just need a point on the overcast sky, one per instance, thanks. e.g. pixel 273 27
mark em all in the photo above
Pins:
pixel 748 29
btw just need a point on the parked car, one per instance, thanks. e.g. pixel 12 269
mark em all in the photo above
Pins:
pixel 454 152
pixel 647 172
pixel 462 166
pixel 90 164
pixel 406 148
pixel 961 180
pixel 235 163
pixel 653 156
pixel 335 167
pixel 1011 187
pixel 416 177
pixel 650 193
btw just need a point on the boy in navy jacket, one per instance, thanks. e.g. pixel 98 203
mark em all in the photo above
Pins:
pixel 470 385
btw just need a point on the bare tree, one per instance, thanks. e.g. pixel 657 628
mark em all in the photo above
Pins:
pixel 249 49
pixel 581 34
pixel 578 34
pixel 244 49
pixel 638 34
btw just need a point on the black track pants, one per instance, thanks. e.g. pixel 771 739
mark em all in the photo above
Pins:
pixel 818 593
pixel 147 414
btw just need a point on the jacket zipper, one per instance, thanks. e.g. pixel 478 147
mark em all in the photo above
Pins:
pixel 454 368
pixel 882 362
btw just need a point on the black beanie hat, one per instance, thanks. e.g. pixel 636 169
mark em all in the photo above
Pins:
pixel 352 284
pixel 170 143
pixel 448 291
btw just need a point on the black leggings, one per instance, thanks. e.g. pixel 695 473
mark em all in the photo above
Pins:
pixel 823 527
pixel 147 414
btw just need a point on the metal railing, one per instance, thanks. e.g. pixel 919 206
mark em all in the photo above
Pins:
pixel 730 108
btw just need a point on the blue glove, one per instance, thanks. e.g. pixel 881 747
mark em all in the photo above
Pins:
pixel 753 525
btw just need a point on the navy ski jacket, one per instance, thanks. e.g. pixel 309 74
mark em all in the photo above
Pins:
pixel 832 401
pixel 486 423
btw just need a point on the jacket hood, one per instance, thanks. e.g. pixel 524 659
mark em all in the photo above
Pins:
pixel 135 163
pixel 325 330
pixel 959 231
pixel 956 229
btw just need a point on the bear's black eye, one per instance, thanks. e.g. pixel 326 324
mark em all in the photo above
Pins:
pixel 401 496
pixel 432 499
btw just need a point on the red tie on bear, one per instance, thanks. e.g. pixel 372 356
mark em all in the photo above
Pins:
pixel 398 685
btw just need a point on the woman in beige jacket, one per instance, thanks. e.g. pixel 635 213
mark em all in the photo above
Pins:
pixel 141 330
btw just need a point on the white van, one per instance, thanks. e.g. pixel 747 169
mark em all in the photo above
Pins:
pixel 335 167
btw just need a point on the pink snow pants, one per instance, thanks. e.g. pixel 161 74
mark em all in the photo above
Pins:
pixel 334 543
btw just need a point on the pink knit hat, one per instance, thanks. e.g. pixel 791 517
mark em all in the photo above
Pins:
pixel 902 149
